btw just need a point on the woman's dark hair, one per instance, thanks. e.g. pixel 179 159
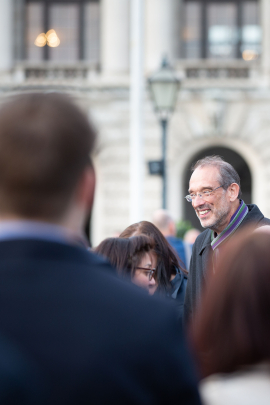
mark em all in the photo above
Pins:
pixel 167 260
pixel 231 327
pixel 125 254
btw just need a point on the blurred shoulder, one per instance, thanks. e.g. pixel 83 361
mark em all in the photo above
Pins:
pixel 135 299
pixel 247 386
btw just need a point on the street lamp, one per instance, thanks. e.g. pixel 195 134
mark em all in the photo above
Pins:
pixel 164 86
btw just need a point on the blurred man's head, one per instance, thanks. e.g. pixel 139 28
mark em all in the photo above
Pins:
pixel 164 222
pixel 45 147
pixel 191 235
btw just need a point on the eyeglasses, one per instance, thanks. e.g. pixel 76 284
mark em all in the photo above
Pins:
pixel 151 272
pixel 203 194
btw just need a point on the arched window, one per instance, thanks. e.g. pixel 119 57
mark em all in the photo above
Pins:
pixel 62 30
pixel 221 29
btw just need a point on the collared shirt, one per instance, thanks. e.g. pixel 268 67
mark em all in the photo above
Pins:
pixel 22 229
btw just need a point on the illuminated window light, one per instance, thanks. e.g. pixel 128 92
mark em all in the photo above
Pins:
pixel 249 54
pixel 50 38
pixel 41 40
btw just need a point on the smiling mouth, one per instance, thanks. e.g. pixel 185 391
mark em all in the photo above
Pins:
pixel 203 213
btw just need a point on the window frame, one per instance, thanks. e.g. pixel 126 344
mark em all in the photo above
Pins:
pixel 204 34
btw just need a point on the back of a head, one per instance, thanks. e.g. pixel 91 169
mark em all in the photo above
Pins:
pixel 45 144
pixel 228 174
pixel 231 327
pixel 162 219
pixel 125 254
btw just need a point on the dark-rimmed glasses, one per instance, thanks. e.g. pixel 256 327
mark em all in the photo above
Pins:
pixel 151 272
pixel 202 194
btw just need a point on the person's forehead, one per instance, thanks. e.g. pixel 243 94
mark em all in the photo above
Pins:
pixel 147 258
pixel 203 177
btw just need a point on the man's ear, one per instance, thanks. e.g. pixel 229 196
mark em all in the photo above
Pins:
pixel 233 191
pixel 86 190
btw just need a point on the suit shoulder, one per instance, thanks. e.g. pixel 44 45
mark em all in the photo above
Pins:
pixel 118 290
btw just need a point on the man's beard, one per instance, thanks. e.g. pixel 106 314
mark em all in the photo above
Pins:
pixel 219 217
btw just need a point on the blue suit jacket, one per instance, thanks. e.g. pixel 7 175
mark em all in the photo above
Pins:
pixel 96 339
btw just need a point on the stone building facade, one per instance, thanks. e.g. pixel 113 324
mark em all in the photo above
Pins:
pixel 223 104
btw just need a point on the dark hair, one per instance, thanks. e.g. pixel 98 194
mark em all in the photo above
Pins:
pixel 228 174
pixel 45 142
pixel 231 328
pixel 167 260
pixel 125 254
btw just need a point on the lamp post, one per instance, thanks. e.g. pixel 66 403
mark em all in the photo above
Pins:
pixel 164 86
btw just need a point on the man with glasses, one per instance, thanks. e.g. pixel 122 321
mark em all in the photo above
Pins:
pixel 214 192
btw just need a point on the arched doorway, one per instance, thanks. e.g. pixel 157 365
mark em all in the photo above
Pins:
pixel 236 161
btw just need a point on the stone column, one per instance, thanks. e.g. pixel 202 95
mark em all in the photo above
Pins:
pixel 6 37
pixel 265 58
pixel 162 31
pixel 115 36
pixel 19 29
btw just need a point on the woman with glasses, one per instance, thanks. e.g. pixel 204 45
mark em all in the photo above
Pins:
pixel 134 259
pixel 170 276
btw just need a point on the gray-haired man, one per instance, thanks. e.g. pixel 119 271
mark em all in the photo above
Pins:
pixel 214 191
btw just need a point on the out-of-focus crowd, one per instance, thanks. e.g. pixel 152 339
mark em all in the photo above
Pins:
pixel 144 317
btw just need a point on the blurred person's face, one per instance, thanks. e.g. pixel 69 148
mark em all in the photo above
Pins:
pixel 215 210
pixel 142 277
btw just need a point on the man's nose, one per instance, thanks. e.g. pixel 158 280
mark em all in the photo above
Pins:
pixel 197 201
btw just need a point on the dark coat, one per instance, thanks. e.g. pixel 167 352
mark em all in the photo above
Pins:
pixel 178 291
pixel 20 379
pixel 95 338
pixel 200 260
